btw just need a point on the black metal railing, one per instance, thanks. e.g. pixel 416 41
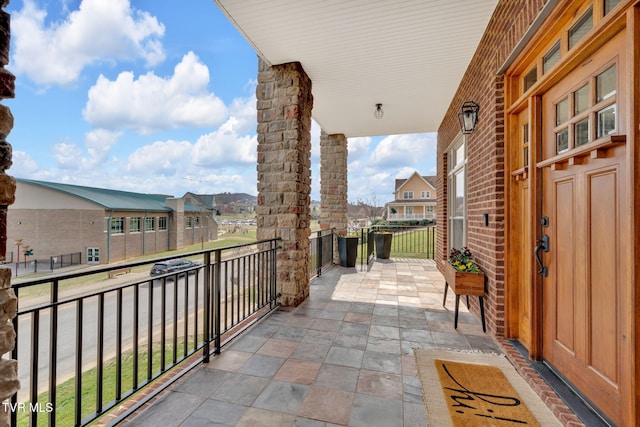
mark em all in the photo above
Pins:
pixel 34 265
pixel 366 247
pixel 321 251
pixel 81 352
pixel 408 241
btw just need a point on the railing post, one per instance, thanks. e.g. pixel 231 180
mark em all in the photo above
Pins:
pixel 319 258
pixel 53 351
pixel 207 305
pixel 217 307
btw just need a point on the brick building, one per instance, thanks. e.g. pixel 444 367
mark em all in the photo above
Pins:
pixel 103 225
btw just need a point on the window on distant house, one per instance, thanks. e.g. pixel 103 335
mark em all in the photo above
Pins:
pixel 425 195
pixel 196 222
pixel 188 222
pixel 407 195
pixel 149 224
pixel 457 194
pixel 134 224
pixel 117 226
pixel 162 223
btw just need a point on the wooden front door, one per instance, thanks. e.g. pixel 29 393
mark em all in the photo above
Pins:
pixel 584 189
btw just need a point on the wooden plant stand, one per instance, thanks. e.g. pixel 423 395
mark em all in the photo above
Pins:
pixel 462 283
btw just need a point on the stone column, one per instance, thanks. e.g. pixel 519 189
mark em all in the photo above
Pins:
pixel 284 172
pixel 9 384
pixel 333 185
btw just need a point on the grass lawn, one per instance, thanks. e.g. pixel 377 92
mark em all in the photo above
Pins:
pixel 66 394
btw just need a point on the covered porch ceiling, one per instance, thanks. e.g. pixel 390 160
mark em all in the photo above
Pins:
pixel 407 55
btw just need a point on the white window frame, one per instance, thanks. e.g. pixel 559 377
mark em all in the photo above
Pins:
pixel 133 221
pixel 162 223
pixel 114 228
pixel 93 255
pixel 149 224
pixel 407 195
pixel 426 195
pixel 458 146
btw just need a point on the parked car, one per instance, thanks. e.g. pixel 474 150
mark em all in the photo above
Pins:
pixel 172 265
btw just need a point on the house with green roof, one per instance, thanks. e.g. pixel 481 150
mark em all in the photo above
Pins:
pixel 103 225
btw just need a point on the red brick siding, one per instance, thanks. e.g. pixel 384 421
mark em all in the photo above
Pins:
pixel 485 150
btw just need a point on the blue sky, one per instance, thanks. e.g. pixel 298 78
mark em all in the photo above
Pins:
pixel 151 97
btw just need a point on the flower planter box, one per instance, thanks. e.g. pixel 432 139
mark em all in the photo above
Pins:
pixel 462 283
pixel 383 245
pixel 348 251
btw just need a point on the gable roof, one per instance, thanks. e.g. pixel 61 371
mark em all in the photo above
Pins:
pixel 113 199
pixel 431 180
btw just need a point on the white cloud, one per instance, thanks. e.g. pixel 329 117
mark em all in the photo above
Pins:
pixel 98 145
pixel 244 110
pixel 404 150
pixel 67 155
pixel 358 148
pixel 55 53
pixel 23 164
pixel 225 147
pixel 153 103
pixel 159 158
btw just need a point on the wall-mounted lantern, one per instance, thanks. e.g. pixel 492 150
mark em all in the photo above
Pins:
pixel 468 117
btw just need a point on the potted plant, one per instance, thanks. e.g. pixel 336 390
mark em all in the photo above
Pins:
pixel 462 273
pixel 383 244
pixel 465 277
pixel 348 250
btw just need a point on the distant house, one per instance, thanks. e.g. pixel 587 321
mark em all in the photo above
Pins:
pixel 414 199
pixel 102 225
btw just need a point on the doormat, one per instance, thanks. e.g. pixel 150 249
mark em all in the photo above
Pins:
pixel 476 389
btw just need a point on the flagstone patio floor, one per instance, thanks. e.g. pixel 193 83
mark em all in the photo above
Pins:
pixel 343 357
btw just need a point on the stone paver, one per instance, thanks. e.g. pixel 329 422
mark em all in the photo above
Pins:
pixel 343 357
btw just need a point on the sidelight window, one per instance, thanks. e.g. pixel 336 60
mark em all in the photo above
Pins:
pixel 457 194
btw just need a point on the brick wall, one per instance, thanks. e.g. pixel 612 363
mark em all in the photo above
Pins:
pixel 485 150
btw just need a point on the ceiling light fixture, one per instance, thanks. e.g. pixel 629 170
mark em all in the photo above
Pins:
pixel 378 112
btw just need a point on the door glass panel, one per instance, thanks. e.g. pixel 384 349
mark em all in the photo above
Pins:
pixel 562 141
pixel 609 5
pixel 562 111
pixel 581 100
pixel 606 84
pixel 607 121
pixel 581 132
pixel 580 28
pixel 525 155
pixel 551 58
pixel 530 79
